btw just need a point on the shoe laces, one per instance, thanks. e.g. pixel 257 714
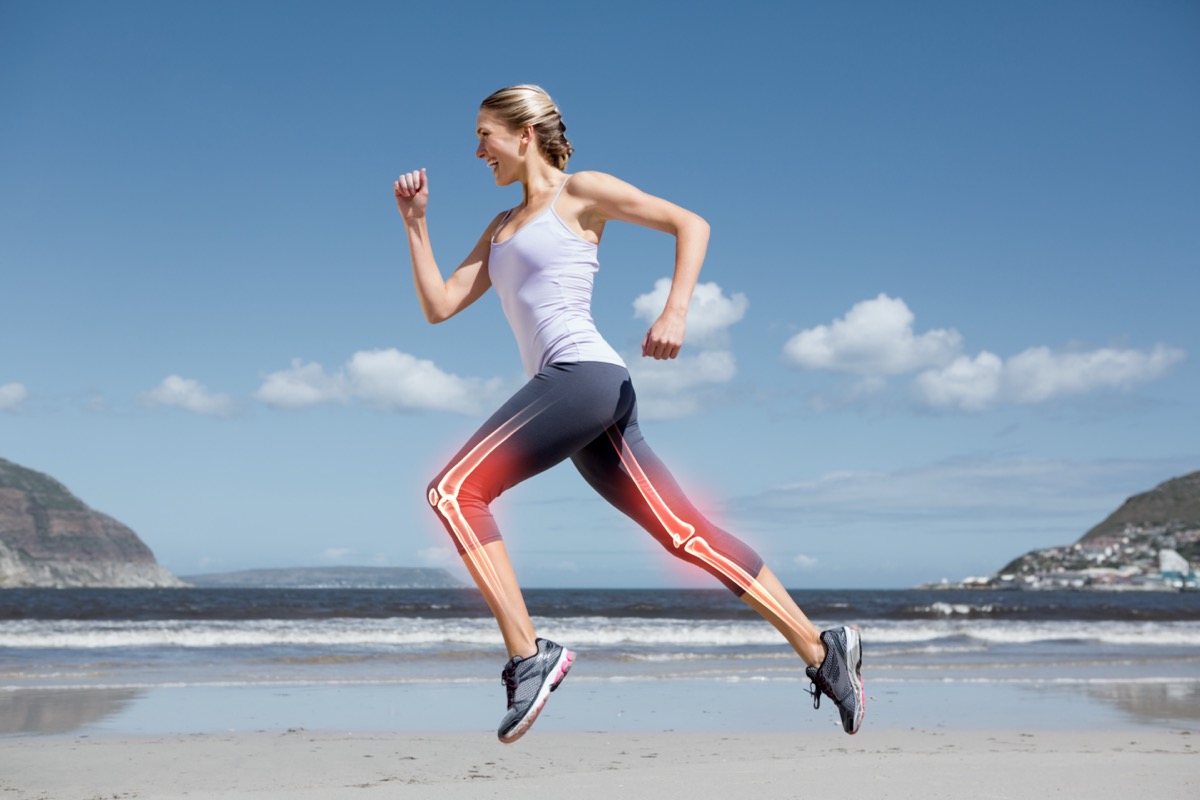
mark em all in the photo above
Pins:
pixel 509 678
pixel 815 691
pixel 818 686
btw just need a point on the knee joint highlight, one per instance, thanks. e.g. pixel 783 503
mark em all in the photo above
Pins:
pixel 435 496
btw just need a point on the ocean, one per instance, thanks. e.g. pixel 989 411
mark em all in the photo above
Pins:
pixel 97 660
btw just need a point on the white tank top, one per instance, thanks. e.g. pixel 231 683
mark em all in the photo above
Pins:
pixel 543 274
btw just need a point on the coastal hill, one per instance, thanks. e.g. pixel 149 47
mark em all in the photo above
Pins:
pixel 51 538
pixel 1175 503
pixel 329 578
pixel 1151 542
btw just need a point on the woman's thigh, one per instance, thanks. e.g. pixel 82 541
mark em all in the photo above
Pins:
pixel 559 411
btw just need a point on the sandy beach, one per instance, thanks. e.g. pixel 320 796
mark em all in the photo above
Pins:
pixel 975 697
pixel 886 763
pixel 598 739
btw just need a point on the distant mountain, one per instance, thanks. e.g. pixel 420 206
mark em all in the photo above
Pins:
pixel 1173 504
pixel 329 578
pixel 51 538
pixel 1152 534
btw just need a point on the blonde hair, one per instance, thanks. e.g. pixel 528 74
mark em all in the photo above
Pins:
pixel 518 106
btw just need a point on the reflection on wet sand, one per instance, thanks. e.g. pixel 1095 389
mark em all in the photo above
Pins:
pixel 1152 702
pixel 44 711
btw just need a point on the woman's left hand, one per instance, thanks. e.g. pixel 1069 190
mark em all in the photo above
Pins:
pixel 665 336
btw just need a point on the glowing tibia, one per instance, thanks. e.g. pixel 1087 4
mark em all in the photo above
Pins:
pixel 700 548
pixel 445 497
pixel 684 535
pixel 448 508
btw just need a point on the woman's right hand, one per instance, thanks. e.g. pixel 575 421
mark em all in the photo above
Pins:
pixel 412 194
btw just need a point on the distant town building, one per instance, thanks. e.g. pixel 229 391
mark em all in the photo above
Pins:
pixel 1175 570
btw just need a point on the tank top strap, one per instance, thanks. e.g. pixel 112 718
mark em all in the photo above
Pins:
pixel 500 224
pixel 560 190
pixel 508 213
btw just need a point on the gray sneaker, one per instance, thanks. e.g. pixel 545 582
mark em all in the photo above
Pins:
pixel 840 676
pixel 529 682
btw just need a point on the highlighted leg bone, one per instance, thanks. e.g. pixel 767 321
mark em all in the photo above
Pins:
pixel 684 535
pixel 444 498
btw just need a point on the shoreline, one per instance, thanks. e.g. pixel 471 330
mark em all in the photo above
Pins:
pixel 588 704
pixel 302 765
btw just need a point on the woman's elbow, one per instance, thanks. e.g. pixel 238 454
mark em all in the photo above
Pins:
pixel 689 224
pixel 434 314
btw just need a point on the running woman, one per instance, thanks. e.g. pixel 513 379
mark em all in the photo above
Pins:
pixel 579 403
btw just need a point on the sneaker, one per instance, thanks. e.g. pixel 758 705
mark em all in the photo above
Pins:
pixel 840 676
pixel 529 682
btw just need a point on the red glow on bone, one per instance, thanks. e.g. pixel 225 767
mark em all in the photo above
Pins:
pixel 684 535
pixel 446 500
pixel 679 530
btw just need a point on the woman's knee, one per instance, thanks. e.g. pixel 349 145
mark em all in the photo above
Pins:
pixel 433 493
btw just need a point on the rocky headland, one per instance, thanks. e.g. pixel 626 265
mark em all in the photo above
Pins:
pixel 1151 542
pixel 51 538
pixel 329 578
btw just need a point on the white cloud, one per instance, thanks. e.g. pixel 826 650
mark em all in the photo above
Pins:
pixel 189 395
pixel 336 554
pixel 302 385
pixel 1004 488
pixel 678 387
pixel 685 373
pixel 972 384
pixel 874 338
pixel 805 562
pixel 1039 374
pixel 12 395
pixel 710 312
pixel 394 380
pixel 674 388
pixel 387 379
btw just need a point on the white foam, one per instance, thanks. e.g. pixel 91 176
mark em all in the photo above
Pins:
pixel 596 632
pixel 952 609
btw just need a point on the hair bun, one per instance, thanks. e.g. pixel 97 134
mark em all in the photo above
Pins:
pixel 529 105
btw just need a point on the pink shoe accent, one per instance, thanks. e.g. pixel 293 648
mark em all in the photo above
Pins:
pixel 563 668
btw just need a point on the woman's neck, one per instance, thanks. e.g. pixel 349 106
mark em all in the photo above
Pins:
pixel 539 181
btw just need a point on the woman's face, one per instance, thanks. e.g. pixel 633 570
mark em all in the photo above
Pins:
pixel 499 146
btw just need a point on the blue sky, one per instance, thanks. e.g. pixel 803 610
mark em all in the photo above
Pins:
pixel 947 316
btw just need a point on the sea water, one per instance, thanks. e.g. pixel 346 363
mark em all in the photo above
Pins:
pixel 74 660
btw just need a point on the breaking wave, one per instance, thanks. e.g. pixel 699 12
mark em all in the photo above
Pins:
pixel 419 634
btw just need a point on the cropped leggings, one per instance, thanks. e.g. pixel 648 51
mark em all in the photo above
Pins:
pixel 587 412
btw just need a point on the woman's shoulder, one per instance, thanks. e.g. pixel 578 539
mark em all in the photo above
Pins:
pixel 489 232
pixel 593 184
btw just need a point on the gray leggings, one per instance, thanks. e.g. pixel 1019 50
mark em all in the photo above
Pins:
pixel 587 412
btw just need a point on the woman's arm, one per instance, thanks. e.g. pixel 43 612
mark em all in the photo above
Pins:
pixel 609 198
pixel 440 299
